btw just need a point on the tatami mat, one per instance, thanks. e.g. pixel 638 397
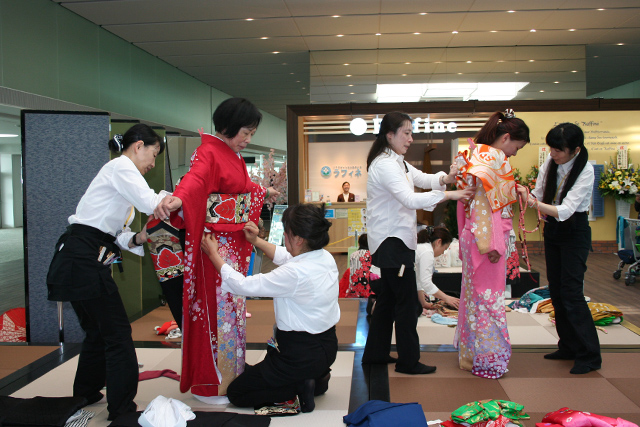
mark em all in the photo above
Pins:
pixel 330 408
pixel 541 385
pixel 524 329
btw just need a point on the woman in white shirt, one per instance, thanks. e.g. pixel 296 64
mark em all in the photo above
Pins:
pixel 432 242
pixel 305 297
pixel 563 194
pixel 391 229
pixel 80 271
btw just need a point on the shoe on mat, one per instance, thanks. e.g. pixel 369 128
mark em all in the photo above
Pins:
pixel 559 355
pixel 419 369
pixel 582 369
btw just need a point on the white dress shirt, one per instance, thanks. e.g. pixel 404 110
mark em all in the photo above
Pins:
pixel 425 260
pixel 392 201
pixel 578 199
pixel 108 202
pixel 304 289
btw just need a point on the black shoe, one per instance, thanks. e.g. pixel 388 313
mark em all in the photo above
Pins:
pixel 322 384
pixel 582 369
pixel 419 369
pixel 383 361
pixel 559 355
pixel 307 403
pixel 95 398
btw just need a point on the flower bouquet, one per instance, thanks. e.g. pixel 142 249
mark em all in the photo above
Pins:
pixel 531 178
pixel 621 184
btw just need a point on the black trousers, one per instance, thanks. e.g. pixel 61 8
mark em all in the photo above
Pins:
pixel 300 356
pixel 397 301
pixel 566 246
pixel 108 355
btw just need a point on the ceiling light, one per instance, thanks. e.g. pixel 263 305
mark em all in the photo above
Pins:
pixel 352 93
pixel 7 135
pixel 572 29
pixel 291 73
pixel 459 74
pixel 407 63
pixel 336 16
pixel 517 72
pixel 400 92
pixel 556 82
pixel 511 11
pixel 438 62
pixel 500 61
pixel 264 38
pixel 423 13
pixel 404 75
pixel 574 71
pixel 348 75
pixel 493 31
pixel 276 54
pixel 542 91
pixel 346 64
pixel 454 32
pixel 532 30
pixel 340 35
pixel 532 60
pixel 469 62
pixel 350 85
pixel 249 19
pixel 437 91
pixel 297 81
pixel 378 34
pixel 620 44
pixel 601 9
pixel 417 34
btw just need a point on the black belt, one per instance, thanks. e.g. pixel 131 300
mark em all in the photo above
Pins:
pixel 87 230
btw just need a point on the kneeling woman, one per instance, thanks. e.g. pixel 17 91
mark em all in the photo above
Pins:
pixel 80 271
pixel 305 297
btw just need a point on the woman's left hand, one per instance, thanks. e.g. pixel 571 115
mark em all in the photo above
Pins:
pixel 209 244
pixel 452 301
pixel 451 178
pixel 494 256
pixel 272 192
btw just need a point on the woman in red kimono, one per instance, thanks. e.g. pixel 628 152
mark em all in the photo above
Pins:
pixel 216 195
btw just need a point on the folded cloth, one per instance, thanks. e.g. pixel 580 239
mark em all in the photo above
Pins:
pixel 441 320
pixel 569 418
pixel 203 419
pixel 39 411
pixel 149 375
pixel 379 413
pixel 484 410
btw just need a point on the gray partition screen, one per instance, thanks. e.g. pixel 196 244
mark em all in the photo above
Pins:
pixel 61 152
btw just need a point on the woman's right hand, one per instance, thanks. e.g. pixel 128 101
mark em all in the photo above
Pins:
pixel 251 231
pixel 167 205
pixel 467 193
pixel 494 256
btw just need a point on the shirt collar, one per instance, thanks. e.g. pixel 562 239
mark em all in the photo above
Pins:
pixel 566 167
pixel 394 156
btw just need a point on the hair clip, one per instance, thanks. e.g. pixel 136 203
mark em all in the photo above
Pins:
pixel 509 114
pixel 117 138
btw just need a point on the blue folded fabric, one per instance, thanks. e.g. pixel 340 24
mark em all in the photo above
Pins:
pixel 376 413
pixel 441 320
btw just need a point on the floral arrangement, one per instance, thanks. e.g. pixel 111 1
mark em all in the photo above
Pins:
pixel 267 176
pixel 621 184
pixel 531 178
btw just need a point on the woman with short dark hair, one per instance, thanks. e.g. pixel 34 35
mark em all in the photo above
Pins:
pixel 216 195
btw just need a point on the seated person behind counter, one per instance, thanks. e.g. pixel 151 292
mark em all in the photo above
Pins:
pixel 346 196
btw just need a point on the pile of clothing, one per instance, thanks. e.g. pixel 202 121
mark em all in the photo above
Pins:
pixel 566 417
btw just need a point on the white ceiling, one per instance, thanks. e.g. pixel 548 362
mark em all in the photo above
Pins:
pixel 230 45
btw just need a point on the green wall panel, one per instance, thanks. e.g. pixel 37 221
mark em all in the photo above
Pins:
pixel 115 74
pixel 29 32
pixel 78 59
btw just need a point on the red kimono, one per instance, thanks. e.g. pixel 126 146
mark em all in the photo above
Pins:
pixel 218 195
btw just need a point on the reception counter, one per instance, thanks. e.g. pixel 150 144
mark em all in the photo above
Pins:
pixel 340 237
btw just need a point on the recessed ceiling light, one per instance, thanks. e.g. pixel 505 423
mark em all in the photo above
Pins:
pixel 417 34
pixel 7 135
pixel 348 75
pixel 336 16
pixel 352 93
pixel 542 91
pixel 423 13
pixel 620 44
pixel 378 34
pixel 517 72
pixel 574 71
pixel 511 11
pixel 572 29
pixel 297 81
pixel 264 38
pixel 532 60
pixel 468 62
pixel 346 64
pixel 276 54
pixel 249 19
pixel 493 31
pixel 532 30
pixel 407 63
pixel 454 32
pixel 438 62
pixel 404 75
pixel 459 73
pixel 601 9
pixel 350 85
pixel 500 61
pixel 291 73
pixel 304 88
pixel 340 35
pixel 556 82
pixel 595 56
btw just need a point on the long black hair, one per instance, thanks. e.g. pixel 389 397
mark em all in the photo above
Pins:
pixel 565 135
pixel 391 122
pixel 139 132
pixel 499 124
pixel 307 221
